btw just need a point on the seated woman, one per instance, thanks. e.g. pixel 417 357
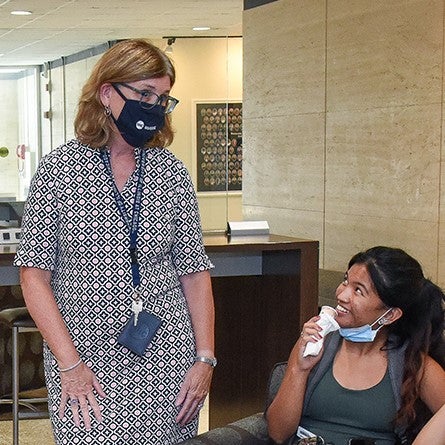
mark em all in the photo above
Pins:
pixel 433 433
pixel 373 371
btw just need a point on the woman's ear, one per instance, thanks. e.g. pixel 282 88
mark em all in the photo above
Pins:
pixel 394 314
pixel 105 94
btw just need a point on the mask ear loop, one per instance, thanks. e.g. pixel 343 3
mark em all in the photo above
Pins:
pixel 382 320
pixel 119 92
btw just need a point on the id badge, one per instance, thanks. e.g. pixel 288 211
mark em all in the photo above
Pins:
pixel 137 338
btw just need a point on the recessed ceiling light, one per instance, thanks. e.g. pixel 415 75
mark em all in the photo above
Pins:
pixel 21 12
pixel 201 28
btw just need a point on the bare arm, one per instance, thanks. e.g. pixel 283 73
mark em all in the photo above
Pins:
pixel 284 413
pixel 197 288
pixel 434 431
pixel 42 306
pixel 198 292
pixel 432 389
pixel 78 383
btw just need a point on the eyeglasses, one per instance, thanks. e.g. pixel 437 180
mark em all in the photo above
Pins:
pixel 149 99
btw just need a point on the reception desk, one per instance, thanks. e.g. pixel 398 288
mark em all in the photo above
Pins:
pixel 265 288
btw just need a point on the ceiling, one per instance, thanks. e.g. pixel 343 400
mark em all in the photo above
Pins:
pixel 60 28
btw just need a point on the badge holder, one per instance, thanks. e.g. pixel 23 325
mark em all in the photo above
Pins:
pixel 137 336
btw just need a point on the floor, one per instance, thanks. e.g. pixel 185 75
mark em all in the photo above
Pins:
pixel 31 432
pixel 38 432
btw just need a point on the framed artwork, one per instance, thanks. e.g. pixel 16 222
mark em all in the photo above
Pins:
pixel 219 146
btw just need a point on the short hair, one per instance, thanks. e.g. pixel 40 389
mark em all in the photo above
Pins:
pixel 126 61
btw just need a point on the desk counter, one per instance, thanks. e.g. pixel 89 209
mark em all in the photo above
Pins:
pixel 265 288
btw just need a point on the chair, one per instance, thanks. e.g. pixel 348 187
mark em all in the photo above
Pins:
pixel 250 430
pixel 19 321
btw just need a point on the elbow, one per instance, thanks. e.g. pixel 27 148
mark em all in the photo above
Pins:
pixel 278 438
pixel 277 433
pixel 32 279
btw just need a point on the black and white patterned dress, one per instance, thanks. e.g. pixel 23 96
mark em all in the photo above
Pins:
pixel 72 227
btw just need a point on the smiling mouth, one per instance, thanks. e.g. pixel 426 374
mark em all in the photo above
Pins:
pixel 341 309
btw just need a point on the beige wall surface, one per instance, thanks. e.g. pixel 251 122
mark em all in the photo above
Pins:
pixel 343 118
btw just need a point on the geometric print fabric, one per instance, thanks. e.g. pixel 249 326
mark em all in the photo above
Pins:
pixel 72 227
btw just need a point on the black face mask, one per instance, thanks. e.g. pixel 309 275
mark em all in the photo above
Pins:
pixel 136 125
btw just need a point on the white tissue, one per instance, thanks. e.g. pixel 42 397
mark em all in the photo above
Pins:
pixel 328 323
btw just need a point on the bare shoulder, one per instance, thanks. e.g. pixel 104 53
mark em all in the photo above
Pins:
pixel 432 367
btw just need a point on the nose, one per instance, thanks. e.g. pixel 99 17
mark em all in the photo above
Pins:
pixel 343 293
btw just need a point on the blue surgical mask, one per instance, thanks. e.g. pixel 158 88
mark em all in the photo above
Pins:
pixel 363 333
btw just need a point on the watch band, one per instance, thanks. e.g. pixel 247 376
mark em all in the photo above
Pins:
pixel 209 360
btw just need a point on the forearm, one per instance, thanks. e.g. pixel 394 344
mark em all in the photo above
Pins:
pixel 433 432
pixel 284 413
pixel 197 288
pixel 39 299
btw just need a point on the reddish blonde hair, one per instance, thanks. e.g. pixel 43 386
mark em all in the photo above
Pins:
pixel 126 61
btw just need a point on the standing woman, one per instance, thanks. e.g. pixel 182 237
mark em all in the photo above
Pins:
pixel 371 374
pixel 112 243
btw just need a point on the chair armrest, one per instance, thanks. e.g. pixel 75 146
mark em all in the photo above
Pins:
pixel 250 430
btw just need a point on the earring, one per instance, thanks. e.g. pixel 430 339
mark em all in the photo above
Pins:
pixel 107 111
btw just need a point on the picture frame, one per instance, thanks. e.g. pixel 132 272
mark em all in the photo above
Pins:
pixel 219 146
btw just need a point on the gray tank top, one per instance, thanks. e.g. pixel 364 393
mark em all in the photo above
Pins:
pixel 338 414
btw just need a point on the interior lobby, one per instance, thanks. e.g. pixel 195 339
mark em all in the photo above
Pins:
pixel 339 146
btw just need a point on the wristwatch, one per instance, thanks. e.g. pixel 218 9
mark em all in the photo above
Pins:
pixel 209 360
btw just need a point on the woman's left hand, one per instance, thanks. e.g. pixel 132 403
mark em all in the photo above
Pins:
pixel 193 392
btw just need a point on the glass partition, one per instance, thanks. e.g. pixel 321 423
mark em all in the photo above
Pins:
pixel 19 130
pixel 208 123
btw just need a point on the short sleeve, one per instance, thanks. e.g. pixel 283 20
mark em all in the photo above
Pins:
pixel 38 245
pixel 188 249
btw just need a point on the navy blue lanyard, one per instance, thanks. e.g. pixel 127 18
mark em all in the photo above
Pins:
pixel 133 223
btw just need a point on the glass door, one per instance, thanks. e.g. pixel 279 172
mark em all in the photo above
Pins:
pixel 19 131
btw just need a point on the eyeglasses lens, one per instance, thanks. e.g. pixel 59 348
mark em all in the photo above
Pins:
pixel 148 101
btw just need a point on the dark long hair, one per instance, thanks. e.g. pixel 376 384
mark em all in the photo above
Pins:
pixel 399 281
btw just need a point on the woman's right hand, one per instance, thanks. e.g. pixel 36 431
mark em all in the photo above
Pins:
pixel 309 333
pixel 78 386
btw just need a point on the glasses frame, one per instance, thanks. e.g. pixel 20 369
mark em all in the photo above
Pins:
pixel 170 102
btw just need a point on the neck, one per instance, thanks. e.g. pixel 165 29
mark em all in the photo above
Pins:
pixel 366 347
pixel 123 163
pixel 118 150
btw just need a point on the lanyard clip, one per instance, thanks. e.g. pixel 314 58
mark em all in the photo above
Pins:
pixel 134 255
